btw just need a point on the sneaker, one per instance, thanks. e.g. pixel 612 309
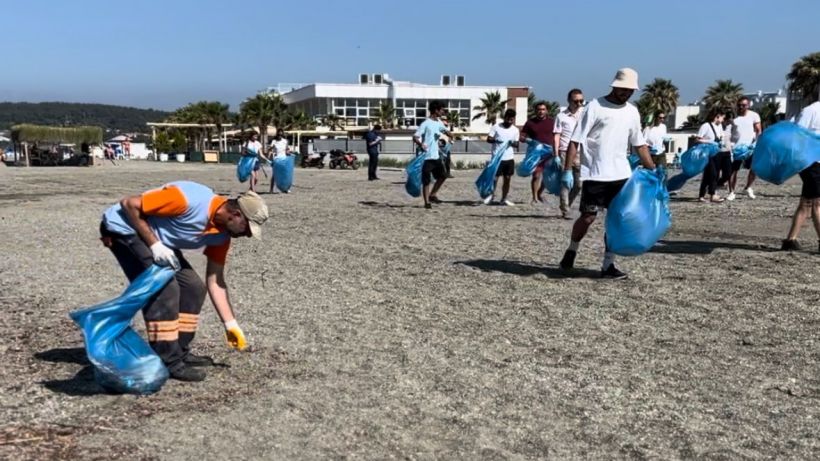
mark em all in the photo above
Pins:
pixel 612 273
pixel 198 360
pixel 790 245
pixel 731 196
pixel 428 206
pixel 434 199
pixel 188 374
pixel 750 193
pixel 488 200
pixel 507 202
pixel 568 261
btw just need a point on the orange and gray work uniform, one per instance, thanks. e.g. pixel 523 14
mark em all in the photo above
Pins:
pixel 181 215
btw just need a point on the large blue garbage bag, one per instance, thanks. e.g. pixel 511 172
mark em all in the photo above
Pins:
pixel 486 180
pixel 536 152
pixel 551 179
pixel 676 182
pixel 742 151
pixel 283 172
pixel 413 171
pixel 694 160
pixel 635 160
pixel 784 150
pixel 639 215
pixel 123 361
pixel 245 166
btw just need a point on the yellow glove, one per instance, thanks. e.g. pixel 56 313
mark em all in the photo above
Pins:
pixel 235 336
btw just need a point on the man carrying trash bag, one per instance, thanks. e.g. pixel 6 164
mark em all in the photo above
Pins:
pixel 610 124
pixel 152 228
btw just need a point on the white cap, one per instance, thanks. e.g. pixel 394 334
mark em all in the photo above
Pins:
pixel 626 78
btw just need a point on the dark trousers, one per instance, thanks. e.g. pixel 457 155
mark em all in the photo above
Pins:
pixel 372 165
pixel 171 316
pixel 724 167
pixel 709 180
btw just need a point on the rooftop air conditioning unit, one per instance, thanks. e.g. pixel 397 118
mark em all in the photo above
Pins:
pixel 445 80
pixel 459 80
pixel 364 79
pixel 378 79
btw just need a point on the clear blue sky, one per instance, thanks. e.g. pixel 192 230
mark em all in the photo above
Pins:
pixel 164 54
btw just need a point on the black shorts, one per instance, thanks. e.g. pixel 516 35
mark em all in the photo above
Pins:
pixel 746 163
pixel 434 168
pixel 506 168
pixel 811 181
pixel 597 195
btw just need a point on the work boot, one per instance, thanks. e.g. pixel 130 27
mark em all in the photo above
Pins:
pixel 187 374
pixel 790 245
pixel 198 360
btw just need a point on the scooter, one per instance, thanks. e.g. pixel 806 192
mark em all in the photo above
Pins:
pixel 343 160
pixel 314 162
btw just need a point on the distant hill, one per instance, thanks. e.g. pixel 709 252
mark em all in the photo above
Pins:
pixel 115 118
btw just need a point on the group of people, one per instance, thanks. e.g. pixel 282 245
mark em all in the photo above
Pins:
pixel 591 140
pixel 278 148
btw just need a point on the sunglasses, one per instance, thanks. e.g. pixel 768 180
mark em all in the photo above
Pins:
pixel 742 105
pixel 578 101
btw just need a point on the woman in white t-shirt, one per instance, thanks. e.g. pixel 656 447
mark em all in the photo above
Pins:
pixel 278 149
pixel 712 132
pixel 253 147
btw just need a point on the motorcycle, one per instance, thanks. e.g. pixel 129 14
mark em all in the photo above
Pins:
pixel 343 160
pixel 314 162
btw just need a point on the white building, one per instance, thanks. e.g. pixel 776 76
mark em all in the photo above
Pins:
pixel 761 97
pixel 358 103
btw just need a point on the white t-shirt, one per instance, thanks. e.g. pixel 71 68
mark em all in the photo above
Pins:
pixel 707 134
pixel 809 117
pixel 606 132
pixel 654 137
pixel 564 125
pixel 253 147
pixel 501 134
pixel 279 148
pixel 743 128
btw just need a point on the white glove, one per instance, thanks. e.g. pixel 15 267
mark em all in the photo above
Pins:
pixel 164 256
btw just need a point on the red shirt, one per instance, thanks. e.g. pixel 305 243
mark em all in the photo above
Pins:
pixel 540 130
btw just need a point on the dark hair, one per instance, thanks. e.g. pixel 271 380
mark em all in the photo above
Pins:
pixel 572 93
pixel 715 112
pixel 658 113
pixel 744 98
pixel 377 127
pixel 435 105
pixel 509 113
pixel 541 103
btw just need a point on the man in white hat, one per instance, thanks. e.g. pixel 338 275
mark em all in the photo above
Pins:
pixel 152 228
pixel 609 127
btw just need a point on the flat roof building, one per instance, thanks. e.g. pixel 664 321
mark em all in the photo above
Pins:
pixel 358 103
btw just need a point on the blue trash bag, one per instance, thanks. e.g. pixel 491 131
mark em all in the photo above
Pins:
pixel 245 166
pixel 639 215
pixel 123 361
pixel 784 150
pixel 551 179
pixel 413 171
pixel 283 172
pixel 635 160
pixel 535 154
pixel 694 160
pixel 676 182
pixel 742 151
pixel 485 184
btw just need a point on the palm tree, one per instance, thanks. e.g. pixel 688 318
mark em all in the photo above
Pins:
pixel 553 108
pixel 723 93
pixel 692 122
pixel 491 105
pixel 293 120
pixel 332 121
pixel 659 96
pixel 531 104
pixel 804 76
pixel 454 119
pixel 263 110
pixel 768 113
pixel 217 114
pixel 386 114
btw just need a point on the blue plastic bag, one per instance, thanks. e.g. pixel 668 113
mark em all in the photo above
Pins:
pixel 639 215
pixel 535 154
pixel 635 160
pixel 676 182
pixel 694 160
pixel 742 151
pixel 245 166
pixel 122 360
pixel 283 172
pixel 784 150
pixel 413 171
pixel 551 179
pixel 485 184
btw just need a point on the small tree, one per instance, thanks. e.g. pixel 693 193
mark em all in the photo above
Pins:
pixel 491 105
pixel 162 143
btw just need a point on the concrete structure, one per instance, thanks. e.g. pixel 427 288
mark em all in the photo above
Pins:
pixel 680 114
pixel 358 103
